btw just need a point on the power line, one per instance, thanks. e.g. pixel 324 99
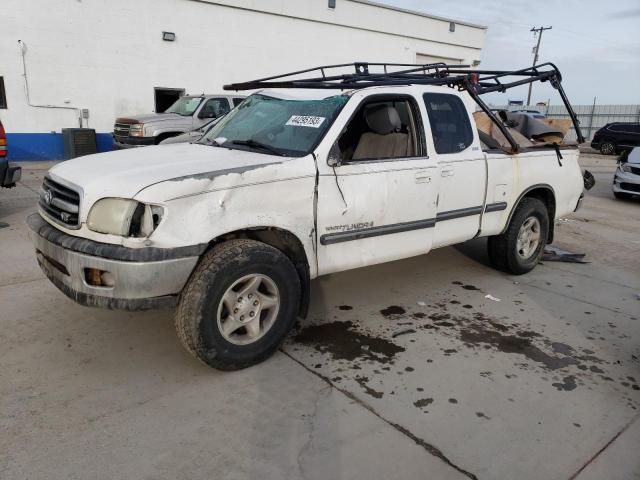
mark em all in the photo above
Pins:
pixel 535 31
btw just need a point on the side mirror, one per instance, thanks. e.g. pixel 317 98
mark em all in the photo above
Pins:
pixel 334 159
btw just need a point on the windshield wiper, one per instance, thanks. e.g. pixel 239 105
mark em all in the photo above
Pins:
pixel 259 145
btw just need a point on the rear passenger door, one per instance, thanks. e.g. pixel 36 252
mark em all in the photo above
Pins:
pixel 453 140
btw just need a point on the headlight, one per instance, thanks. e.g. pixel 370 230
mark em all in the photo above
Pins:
pixel 625 167
pixel 124 217
pixel 136 130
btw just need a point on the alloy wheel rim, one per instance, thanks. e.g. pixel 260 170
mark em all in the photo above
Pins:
pixel 529 238
pixel 248 309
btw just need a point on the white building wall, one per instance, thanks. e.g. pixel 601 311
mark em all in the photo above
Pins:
pixel 108 55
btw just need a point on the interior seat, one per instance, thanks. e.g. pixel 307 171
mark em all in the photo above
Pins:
pixel 385 139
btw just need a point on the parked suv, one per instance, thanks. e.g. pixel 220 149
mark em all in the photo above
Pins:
pixel 187 113
pixel 8 175
pixel 615 138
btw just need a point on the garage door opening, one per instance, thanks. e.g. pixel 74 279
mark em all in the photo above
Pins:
pixel 165 97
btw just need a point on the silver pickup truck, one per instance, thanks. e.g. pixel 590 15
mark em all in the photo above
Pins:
pixel 186 114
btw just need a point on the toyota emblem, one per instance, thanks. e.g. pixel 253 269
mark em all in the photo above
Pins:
pixel 48 196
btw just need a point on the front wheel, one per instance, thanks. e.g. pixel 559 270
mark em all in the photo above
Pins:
pixel 519 249
pixel 239 304
pixel 607 147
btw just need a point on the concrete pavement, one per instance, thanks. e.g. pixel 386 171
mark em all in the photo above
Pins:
pixel 403 370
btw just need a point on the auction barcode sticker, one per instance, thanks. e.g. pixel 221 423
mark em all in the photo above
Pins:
pixel 305 121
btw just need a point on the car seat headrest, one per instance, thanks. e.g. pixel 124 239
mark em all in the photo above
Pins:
pixel 383 119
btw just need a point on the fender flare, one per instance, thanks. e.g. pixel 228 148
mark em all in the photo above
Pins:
pixel 296 253
pixel 537 186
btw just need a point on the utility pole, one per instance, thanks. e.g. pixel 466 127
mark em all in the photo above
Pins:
pixel 535 31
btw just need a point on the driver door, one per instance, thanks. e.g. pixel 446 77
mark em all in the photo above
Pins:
pixel 379 203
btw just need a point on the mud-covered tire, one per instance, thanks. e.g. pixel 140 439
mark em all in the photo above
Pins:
pixel 503 249
pixel 196 318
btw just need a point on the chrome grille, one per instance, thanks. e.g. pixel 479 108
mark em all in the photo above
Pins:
pixel 60 203
pixel 121 129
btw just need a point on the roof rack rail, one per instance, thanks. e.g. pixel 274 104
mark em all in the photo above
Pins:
pixel 357 75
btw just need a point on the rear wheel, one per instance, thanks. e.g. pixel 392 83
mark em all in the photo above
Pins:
pixel 607 147
pixel 518 250
pixel 239 304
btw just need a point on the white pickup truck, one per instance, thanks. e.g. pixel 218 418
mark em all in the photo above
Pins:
pixel 296 183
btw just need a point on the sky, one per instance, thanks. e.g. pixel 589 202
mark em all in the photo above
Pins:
pixel 594 43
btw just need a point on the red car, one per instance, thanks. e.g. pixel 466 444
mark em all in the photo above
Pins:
pixel 8 175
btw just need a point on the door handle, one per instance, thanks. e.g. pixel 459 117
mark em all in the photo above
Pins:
pixel 423 177
pixel 447 171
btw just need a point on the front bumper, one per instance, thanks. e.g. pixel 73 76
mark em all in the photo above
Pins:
pixel 138 285
pixel 626 183
pixel 121 143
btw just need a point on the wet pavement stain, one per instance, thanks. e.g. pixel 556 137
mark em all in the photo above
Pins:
pixel 463 329
pixel 393 311
pixel 562 348
pixel 568 383
pixel 474 335
pixel 343 342
pixel 529 334
pixel 363 381
pixel 465 285
pixel 423 402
